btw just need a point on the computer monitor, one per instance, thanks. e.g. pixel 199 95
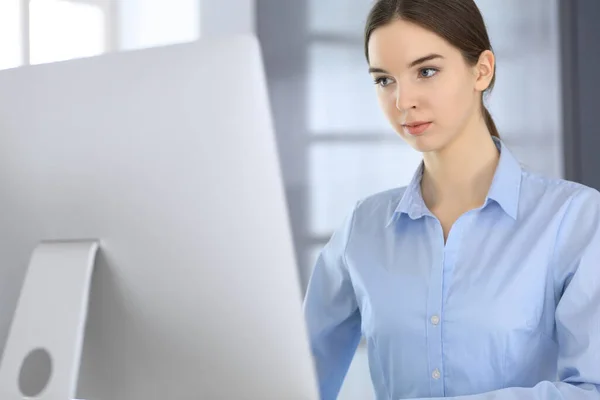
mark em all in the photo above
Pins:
pixel 166 157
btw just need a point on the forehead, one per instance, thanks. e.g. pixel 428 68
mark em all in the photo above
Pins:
pixel 400 42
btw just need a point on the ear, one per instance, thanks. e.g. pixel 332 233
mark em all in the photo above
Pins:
pixel 484 70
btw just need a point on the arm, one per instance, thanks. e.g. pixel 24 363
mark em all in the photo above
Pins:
pixel 332 315
pixel 578 311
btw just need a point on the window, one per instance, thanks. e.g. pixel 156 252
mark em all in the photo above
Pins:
pixel 342 172
pixel 65 29
pixel 10 32
pixel 151 23
pixel 341 94
pixel 526 102
pixel 42 31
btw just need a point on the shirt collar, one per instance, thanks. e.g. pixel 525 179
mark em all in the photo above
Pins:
pixel 505 188
pixel 506 185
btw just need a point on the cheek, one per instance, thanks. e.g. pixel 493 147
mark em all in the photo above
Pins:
pixel 450 102
pixel 387 102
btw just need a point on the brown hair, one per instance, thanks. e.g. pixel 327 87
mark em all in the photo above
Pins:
pixel 459 22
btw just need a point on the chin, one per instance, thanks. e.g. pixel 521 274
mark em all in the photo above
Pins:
pixel 424 143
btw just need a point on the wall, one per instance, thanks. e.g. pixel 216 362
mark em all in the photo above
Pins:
pixel 227 16
pixel 581 61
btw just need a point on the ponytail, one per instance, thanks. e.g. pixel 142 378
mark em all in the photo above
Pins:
pixel 489 122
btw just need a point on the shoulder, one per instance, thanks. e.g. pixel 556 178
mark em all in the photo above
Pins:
pixel 573 211
pixel 367 218
pixel 557 194
pixel 570 208
pixel 373 212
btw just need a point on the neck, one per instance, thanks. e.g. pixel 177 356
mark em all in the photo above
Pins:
pixel 460 174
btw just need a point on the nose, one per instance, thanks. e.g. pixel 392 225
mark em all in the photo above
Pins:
pixel 405 99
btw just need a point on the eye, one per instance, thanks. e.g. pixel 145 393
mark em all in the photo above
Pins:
pixel 383 81
pixel 427 72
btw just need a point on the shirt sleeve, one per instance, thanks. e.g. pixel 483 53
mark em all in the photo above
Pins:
pixel 577 269
pixel 332 315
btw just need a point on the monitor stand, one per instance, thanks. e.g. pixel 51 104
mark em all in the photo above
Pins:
pixel 43 350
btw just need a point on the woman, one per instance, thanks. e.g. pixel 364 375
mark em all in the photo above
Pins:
pixel 479 278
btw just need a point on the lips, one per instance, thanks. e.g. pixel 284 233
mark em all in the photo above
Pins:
pixel 416 128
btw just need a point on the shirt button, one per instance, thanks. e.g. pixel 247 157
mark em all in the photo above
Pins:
pixel 436 374
pixel 435 320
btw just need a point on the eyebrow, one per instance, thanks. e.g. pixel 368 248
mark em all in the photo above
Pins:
pixel 412 64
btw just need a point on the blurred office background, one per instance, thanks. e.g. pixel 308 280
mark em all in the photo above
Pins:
pixel 334 143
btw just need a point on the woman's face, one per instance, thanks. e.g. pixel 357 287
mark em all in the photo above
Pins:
pixel 426 89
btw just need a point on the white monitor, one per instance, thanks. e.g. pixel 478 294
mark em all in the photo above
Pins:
pixel 167 158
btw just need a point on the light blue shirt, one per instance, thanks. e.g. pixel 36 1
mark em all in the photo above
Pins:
pixel 507 309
